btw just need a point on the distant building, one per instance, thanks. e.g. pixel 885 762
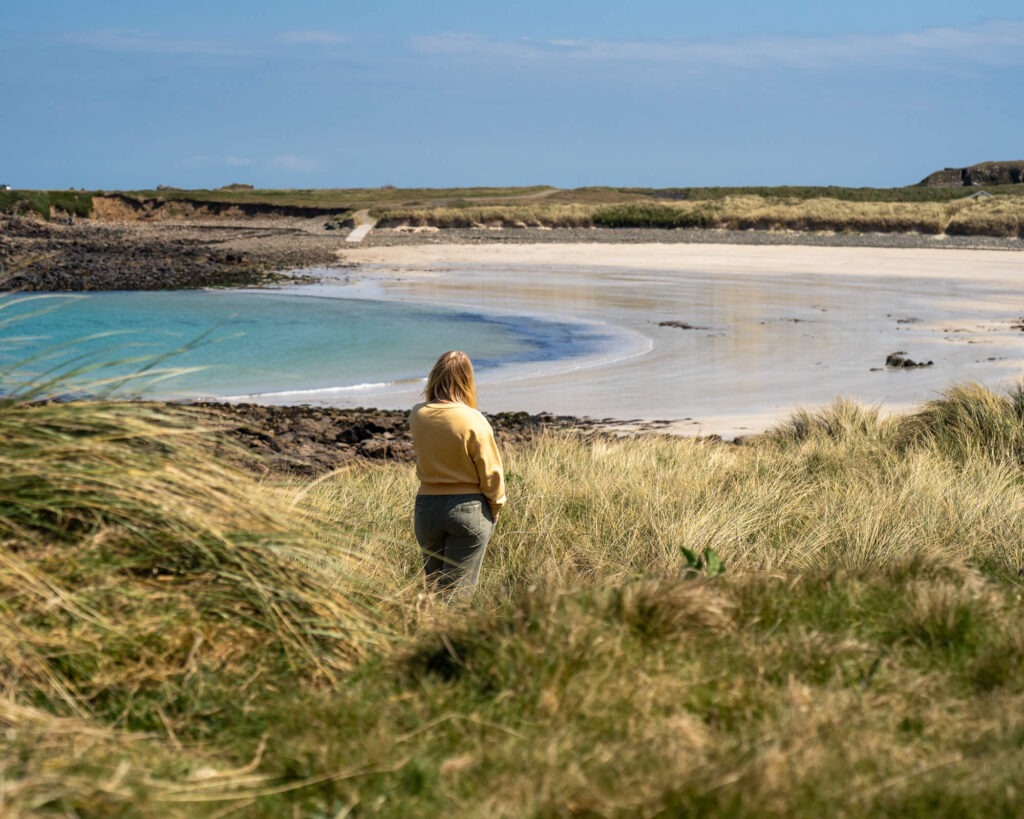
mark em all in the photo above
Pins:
pixel 5 187
pixel 980 195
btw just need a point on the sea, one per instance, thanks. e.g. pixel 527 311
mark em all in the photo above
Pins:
pixel 258 345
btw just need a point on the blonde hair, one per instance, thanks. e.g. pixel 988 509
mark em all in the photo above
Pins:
pixel 452 379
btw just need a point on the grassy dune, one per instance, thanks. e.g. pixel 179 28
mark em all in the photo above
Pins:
pixel 181 638
pixel 999 216
pixel 889 210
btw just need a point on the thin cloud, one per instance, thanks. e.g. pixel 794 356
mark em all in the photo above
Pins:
pixel 313 37
pixel 294 163
pixel 238 161
pixel 996 43
pixel 134 40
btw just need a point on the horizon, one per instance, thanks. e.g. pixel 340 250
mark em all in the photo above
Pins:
pixel 243 186
pixel 119 97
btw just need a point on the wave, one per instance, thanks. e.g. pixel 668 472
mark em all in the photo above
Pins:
pixel 323 391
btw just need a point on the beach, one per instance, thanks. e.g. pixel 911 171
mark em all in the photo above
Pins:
pixel 706 332
pixel 736 336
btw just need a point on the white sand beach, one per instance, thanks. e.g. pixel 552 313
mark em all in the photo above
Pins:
pixel 772 327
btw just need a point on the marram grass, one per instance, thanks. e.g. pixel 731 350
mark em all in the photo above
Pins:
pixel 181 638
pixel 1000 216
pixel 134 552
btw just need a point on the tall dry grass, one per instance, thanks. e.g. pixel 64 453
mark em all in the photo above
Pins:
pixel 1000 216
pixel 137 560
pixel 181 638
pixel 148 580
pixel 862 655
pixel 845 487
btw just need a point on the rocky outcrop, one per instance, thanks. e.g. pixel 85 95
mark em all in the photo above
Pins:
pixel 313 440
pixel 984 173
pixel 899 360
pixel 50 256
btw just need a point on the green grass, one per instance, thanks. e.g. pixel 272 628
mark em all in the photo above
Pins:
pixel 183 638
pixel 44 202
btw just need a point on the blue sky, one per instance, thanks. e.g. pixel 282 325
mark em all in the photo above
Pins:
pixel 111 94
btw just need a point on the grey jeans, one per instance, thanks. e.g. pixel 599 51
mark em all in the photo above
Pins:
pixel 453 531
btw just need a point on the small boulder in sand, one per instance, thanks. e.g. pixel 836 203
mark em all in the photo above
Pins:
pixel 900 361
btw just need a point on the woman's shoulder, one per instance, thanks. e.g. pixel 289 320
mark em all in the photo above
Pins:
pixel 479 420
pixel 454 412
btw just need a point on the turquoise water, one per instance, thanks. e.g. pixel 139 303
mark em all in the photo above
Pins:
pixel 259 342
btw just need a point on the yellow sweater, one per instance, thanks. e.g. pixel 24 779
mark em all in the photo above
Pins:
pixel 456 453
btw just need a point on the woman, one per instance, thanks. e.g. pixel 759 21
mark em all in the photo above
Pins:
pixel 462 486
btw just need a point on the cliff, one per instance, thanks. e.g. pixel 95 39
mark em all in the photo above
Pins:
pixel 984 173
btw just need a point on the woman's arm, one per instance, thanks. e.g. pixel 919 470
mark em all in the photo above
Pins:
pixel 484 451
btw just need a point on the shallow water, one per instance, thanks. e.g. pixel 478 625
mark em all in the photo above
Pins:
pixel 283 347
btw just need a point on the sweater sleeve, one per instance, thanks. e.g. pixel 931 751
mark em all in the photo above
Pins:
pixel 484 451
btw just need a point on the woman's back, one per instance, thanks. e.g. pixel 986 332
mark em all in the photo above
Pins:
pixel 456 452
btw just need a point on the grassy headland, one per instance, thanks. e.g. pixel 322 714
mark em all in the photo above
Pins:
pixel 930 210
pixel 182 638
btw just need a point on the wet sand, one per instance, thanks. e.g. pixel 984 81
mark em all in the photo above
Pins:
pixel 770 328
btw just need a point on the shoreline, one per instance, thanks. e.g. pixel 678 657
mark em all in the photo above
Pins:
pixel 535 268
pixel 793 326
pixel 310 441
pixel 600 343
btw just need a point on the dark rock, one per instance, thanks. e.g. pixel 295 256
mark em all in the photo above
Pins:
pixel 984 173
pixel 103 256
pixel 900 361
pixel 681 325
